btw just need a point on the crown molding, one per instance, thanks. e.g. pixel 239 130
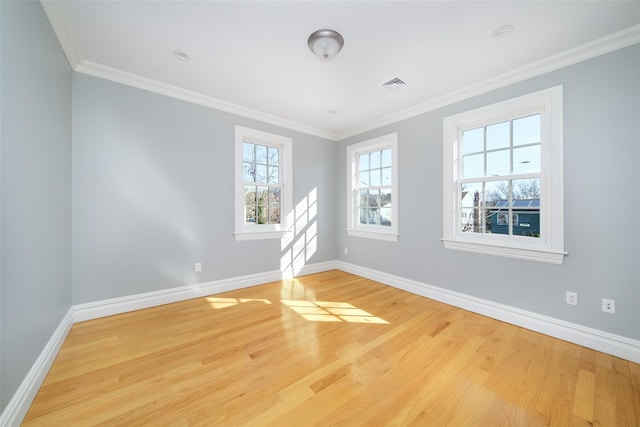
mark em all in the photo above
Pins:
pixel 58 18
pixel 610 43
pixel 151 85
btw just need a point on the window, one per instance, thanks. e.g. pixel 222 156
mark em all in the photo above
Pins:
pixel 503 179
pixel 263 184
pixel 372 193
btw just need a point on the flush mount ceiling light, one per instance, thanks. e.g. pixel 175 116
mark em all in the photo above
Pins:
pixel 182 56
pixel 325 44
pixel 503 31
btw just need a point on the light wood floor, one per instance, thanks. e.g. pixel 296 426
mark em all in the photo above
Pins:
pixel 327 349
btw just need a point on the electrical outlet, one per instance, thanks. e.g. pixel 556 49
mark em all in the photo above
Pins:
pixel 572 298
pixel 608 305
pixel 197 267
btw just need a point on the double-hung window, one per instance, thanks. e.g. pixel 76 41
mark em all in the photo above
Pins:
pixel 372 193
pixel 503 179
pixel 263 184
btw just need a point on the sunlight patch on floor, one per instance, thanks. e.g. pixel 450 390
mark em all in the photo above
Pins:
pixel 219 303
pixel 329 311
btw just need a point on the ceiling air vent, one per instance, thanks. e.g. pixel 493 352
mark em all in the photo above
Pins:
pixel 393 84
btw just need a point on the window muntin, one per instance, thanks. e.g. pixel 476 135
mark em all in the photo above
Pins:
pixel 372 189
pixel 375 187
pixel 262 189
pixel 263 184
pixel 500 174
pixel 504 161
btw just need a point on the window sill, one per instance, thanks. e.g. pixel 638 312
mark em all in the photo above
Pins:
pixel 258 235
pixel 538 255
pixel 389 237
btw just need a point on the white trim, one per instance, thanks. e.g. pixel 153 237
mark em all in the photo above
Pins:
pixel 18 407
pixel 605 342
pixel 550 257
pixel 389 237
pixel 155 86
pixel 607 44
pixel 550 246
pixel 595 339
pixel 285 146
pixel 354 228
pixel 95 310
pixel 601 46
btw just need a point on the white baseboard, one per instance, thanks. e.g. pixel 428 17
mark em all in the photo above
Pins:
pixel 605 342
pixel 19 405
pixel 94 310
pixel 595 339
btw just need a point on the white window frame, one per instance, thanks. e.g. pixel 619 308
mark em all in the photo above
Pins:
pixel 245 231
pixel 354 228
pixel 549 247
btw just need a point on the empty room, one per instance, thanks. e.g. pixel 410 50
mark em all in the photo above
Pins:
pixel 313 213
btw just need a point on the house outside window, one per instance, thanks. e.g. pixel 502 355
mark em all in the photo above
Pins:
pixel 503 179
pixel 372 193
pixel 263 184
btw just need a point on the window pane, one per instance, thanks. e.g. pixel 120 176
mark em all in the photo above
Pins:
pixel 496 193
pixel 386 157
pixel 386 176
pixel 250 215
pixel 261 154
pixel 363 198
pixel 471 197
pixel 385 217
pixel 262 208
pixel 526 204
pixel 274 214
pixel 498 163
pixel 274 156
pixel 374 160
pixel 261 173
pixel 526 130
pixel 248 150
pixel 248 172
pixel 473 166
pixel 273 175
pixel 527 189
pixel 498 135
pixel 364 161
pixel 526 159
pixel 249 195
pixel 385 198
pixel 274 195
pixel 364 216
pixel 364 179
pixel 376 179
pixel 373 199
pixel 473 141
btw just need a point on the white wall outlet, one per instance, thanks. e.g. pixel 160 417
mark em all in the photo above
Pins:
pixel 608 305
pixel 346 251
pixel 197 267
pixel 572 298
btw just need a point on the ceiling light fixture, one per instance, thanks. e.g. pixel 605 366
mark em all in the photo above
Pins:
pixel 325 44
pixel 181 55
pixel 503 31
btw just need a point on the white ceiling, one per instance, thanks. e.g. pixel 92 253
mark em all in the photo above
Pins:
pixel 251 58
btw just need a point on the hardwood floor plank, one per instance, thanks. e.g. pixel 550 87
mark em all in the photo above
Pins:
pixel 326 349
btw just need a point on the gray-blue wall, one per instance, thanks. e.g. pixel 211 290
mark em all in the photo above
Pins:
pixel 35 285
pixel 153 193
pixel 602 204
